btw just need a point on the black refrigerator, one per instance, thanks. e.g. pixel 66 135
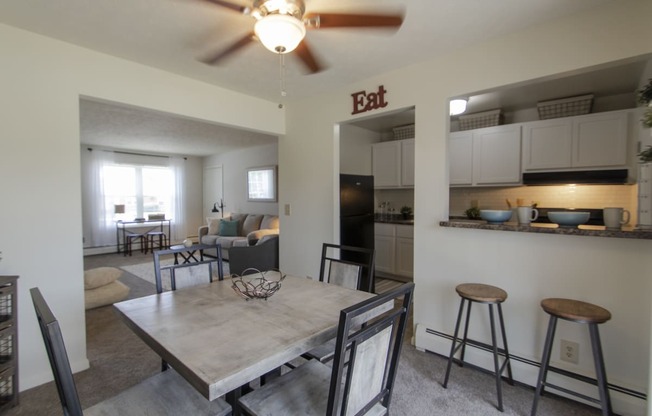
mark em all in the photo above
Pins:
pixel 357 214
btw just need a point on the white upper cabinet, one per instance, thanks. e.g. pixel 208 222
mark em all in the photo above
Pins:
pixel 600 140
pixel 591 141
pixel 393 164
pixel 386 163
pixel 407 162
pixel 460 158
pixel 487 156
pixel 547 144
pixel 497 155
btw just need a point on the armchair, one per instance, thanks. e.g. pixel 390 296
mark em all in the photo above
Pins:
pixel 262 256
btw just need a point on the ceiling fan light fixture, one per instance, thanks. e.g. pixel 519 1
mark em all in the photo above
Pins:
pixel 457 106
pixel 280 33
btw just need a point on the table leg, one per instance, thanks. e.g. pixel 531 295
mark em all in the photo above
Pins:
pixel 232 398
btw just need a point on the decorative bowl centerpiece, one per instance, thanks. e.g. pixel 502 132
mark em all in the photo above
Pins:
pixel 496 216
pixel 568 218
pixel 254 284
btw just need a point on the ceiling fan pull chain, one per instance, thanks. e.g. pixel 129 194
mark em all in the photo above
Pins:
pixel 282 79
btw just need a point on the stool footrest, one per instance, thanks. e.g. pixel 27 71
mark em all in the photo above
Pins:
pixel 571 392
pixel 484 346
pixel 576 376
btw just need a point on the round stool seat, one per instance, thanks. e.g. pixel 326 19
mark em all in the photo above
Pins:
pixel 479 292
pixel 575 310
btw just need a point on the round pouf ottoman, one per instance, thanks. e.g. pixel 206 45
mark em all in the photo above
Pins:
pixel 101 287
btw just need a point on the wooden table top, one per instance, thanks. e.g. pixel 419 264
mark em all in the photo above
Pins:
pixel 218 341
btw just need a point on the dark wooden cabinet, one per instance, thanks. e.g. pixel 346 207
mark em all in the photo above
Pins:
pixel 8 343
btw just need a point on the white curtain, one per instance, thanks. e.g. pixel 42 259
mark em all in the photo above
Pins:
pixel 102 225
pixel 178 166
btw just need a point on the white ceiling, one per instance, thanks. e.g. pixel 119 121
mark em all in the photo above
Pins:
pixel 172 34
pixel 137 129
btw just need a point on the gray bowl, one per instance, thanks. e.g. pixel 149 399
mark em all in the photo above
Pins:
pixel 568 218
pixel 495 216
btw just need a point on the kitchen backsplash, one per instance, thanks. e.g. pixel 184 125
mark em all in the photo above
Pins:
pixel 397 198
pixel 562 196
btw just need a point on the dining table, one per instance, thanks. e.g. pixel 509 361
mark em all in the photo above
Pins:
pixel 219 341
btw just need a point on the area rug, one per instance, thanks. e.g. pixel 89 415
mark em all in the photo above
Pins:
pixel 185 276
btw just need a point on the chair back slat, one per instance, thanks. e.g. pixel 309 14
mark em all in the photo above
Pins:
pixel 57 355
pixel 344 274
pixel 370 339
pixel 348 266
pixel 367 375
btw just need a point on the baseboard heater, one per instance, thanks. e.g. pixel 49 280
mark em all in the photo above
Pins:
pixel 595 177
pixel 488 348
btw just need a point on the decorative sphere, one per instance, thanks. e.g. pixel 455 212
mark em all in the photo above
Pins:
pixel 187 242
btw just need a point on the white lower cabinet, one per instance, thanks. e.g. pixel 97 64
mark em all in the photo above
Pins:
pixel 394 249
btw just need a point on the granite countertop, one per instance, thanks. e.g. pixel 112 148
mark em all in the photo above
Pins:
pixel 543 228
pixel 394 219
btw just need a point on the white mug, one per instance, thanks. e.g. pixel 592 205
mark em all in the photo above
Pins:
pixel 526 214
pixel 614 218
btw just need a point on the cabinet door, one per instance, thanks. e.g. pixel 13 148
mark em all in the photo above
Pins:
pixel 547 144
pixel 407 163
pixel 497 155
pixel 385 253
pixel 386 162
pixel 600 140
pixel 404 256
pixel 460 158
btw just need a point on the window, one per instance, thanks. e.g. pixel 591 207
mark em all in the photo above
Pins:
pixel 261 184
pixel 138 191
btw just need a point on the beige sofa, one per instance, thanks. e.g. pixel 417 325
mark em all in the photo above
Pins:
pixel 237 230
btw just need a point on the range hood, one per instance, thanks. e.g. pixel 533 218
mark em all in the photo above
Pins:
pixel 596 177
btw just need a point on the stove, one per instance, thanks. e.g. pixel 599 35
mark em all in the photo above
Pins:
pixel 594 219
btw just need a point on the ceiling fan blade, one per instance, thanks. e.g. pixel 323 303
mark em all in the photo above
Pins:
pixel 239 44
pixel 308 59
pixel 229 5
pixel 329 20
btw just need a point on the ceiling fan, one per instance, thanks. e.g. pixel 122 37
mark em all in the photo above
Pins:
pixel 281 27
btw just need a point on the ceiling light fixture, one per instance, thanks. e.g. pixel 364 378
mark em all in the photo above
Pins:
pixel 280 33
pixel 457 106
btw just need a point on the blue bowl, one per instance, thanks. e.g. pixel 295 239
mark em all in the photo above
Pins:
pixel 568 218
pixel 495 216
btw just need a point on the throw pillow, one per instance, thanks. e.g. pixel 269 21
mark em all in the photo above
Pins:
pixel 213 225
pixel 101 276
pixel 228 228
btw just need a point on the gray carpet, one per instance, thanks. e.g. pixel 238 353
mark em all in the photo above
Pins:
pixel 119 359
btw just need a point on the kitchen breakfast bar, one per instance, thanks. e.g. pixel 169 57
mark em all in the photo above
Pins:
pixel 582 230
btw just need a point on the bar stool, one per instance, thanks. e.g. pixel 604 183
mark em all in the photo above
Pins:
pixel 583 313
pixel 129 241
pixel 490 295
pixel 151 240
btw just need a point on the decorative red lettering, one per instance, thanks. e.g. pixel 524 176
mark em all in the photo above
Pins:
pixel 358 102
pixel 374 100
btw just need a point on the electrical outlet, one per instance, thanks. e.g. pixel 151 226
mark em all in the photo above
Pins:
pixel 288 210
pixel 569 351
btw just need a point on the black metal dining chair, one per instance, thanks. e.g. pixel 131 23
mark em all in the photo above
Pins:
pixel 365 384
pixel 186 264
pixel 166 393
pixel 176 250
pixel 348 266
pixel 336 268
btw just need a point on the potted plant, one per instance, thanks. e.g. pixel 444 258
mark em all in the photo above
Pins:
pixel 645 98
pixel 406 212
